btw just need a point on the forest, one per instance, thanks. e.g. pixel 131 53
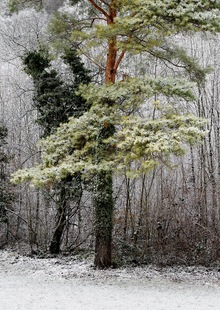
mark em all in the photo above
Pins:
pixel 110 130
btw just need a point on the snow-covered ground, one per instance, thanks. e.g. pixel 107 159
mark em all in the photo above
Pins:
pixel 70 283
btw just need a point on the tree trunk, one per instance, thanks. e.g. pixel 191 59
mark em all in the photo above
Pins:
pixel 103 205
pixel 69 187
pixel 60 224
pixel 57 235
pixel 103 200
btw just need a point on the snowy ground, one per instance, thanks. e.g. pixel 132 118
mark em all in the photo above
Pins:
pixel 72 284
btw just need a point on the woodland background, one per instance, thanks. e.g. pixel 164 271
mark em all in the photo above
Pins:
pixel 170 215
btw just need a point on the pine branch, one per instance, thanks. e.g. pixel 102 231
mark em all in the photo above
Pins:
pixel 99 8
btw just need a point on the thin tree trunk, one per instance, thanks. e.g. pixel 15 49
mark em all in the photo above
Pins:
pixel 127 206
pixel 140 216
pixel 60 224
pixel 63 208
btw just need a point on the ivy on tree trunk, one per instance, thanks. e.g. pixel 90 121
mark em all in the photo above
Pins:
pixel 103 205
pixel 6 195
pixel 55 101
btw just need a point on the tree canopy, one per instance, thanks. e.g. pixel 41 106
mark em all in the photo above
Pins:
pixel 131 27
pixel 73 147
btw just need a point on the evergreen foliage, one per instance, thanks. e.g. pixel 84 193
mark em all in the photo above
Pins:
pixel 6 196
pixel 55 100
pixel 16 5
pixel 75 145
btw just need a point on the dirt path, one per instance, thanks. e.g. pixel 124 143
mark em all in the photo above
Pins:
pixel 28 284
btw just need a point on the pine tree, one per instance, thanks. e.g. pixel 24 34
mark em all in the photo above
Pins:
pixel 127 27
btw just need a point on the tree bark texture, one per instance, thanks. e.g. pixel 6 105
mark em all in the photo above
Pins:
pixel 103 204
pixel 103 199
pixel 59 226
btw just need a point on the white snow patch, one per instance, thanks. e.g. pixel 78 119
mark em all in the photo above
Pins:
pixel 66 283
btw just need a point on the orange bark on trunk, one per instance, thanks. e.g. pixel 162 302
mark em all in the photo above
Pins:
pixel 110 69
pixel 103 196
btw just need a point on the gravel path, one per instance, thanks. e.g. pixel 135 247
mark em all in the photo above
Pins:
pixel 68 284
